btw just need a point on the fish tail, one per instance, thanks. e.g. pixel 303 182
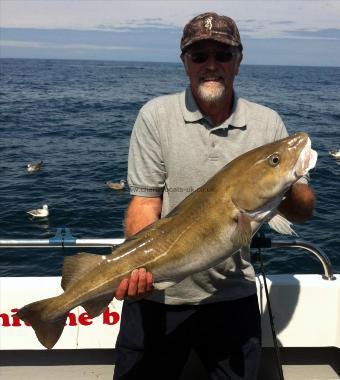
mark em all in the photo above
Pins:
pixel 47 331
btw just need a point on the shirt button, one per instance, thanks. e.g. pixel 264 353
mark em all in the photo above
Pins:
pixel 213 144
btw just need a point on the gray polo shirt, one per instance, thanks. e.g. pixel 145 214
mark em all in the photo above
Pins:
pixel 174 149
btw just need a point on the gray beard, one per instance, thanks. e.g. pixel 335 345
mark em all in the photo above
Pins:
pixel 210 95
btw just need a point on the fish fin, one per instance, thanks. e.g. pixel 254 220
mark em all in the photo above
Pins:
pixel 281 225
pixel 47 332
pixel 96 306
pixel 76 266
pixel 245 253
pixel 163 285
pixel 242 234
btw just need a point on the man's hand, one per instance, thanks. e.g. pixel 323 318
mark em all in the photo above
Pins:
pixel 139 285
pixel 299 203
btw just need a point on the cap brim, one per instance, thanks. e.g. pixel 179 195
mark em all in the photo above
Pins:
pixel 221 39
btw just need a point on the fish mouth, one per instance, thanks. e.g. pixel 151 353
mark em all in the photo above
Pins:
pixel 306 161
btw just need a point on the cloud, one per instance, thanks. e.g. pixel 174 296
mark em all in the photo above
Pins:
pixel 154 28
pixel 134 24
pixel 330 33
pixel 282 22
pixel 291 51
pixel 130 44
pixel 49 45
pixel 108 14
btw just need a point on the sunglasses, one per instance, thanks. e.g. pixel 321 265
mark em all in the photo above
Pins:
pixel 219 55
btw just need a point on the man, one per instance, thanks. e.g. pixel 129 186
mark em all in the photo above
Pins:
pixel 178 142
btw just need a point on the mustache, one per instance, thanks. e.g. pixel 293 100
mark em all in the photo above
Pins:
pixel 211 76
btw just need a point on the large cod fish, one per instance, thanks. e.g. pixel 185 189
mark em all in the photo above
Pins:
pixel 210 225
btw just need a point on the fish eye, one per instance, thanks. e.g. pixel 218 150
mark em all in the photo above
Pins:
pixel 274 159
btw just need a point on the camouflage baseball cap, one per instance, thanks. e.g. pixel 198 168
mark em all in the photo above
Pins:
pixel 211 26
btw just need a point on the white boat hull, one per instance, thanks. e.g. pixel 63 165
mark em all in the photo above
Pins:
pixel 306 310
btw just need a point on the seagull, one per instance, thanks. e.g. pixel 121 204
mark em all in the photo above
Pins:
pixel 335 154
pixel 34 167
pixel 40 212
pixel 116 185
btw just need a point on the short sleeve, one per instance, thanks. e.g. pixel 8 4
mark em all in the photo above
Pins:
pixel 280 129
pixel 146 169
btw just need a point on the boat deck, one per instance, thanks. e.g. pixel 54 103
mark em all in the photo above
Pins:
pixel 298 364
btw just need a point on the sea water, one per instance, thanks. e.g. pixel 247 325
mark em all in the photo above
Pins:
pixel 77 117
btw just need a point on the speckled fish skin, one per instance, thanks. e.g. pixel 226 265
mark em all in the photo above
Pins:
pixel 209 226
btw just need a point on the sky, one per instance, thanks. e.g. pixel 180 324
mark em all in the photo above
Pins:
pixel 277 32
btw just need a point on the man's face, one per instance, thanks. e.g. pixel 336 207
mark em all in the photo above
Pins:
pixel 211 68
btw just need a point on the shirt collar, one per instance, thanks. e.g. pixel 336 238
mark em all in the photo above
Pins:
pixel 192 113
pixel 237 118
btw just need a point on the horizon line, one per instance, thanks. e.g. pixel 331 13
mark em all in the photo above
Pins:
pixel 139 61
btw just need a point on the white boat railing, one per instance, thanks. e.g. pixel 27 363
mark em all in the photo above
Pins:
pixel 64 239
pixel 261 241
pixel 317 252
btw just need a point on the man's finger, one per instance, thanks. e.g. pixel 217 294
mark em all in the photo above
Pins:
pixel 149 281
pixel 122 289
pixel 133 284
pixel 141 282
